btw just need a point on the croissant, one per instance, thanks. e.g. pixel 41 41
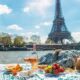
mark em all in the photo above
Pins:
pixel 78 64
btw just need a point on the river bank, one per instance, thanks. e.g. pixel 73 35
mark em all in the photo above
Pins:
pixel 40 47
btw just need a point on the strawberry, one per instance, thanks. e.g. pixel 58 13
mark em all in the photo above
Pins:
pixel 61 69
pixel 57 66
pixel 53 67
pixel 56 72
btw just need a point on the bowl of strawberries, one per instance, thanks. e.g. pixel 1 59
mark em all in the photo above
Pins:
pixel 54 69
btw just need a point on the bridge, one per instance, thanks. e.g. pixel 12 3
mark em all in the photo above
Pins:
pixel 41 47
pixel 56 46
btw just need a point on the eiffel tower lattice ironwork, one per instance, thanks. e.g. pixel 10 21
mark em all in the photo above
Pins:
pixel 59 31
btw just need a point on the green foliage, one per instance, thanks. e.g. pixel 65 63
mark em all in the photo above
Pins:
pixel 18 41
pixel 49 41
pixel 30 43
pixel 6 40
pixel 0 39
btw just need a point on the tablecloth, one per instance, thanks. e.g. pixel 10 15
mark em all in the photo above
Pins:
pixel 38 75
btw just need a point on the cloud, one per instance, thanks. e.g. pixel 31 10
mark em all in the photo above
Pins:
pixel 46 23
pixel 39 6
pixel 10 33
pixel 15 27
pixel 37 27
pixel 76 36
pixel 4 9
pixel 32 33
pixel 29 34
pixel 26 9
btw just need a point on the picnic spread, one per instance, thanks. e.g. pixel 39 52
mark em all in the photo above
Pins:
pixel 31 70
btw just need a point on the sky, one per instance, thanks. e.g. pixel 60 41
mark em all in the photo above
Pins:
pixel 29 17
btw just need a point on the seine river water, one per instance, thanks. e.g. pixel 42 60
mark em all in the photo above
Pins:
pixel 17 56
pixel 7 57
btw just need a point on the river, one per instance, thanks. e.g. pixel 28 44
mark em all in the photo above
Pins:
pixel 7 57
pixel 18 56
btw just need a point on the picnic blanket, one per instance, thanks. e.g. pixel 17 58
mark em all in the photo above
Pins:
pixel 37 75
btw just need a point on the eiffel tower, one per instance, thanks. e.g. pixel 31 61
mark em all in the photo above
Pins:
pixel 59 31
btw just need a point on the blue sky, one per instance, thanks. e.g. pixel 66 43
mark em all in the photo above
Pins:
pixel 27 17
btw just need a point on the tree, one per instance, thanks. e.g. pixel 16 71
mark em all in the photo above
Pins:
pixel 30 43
pixel 19 41
pixel 35 39
pixel 49 41
pixel 6 40
pixel 0 39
